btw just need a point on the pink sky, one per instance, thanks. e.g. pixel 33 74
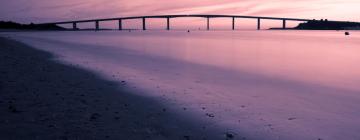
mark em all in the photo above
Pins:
pixel 58 10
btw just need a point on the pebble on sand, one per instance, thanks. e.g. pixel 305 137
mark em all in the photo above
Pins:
pixel 210 115
pixel 292 118
pixel 94 116
pixel 187 137
pixel 13 109
pixel 229 135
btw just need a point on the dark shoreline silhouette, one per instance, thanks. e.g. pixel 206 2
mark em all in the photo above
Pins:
pixel 324 25
pixel 328 25
pixel 31 26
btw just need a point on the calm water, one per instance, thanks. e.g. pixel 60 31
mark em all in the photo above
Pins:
pixel 322 57
pixel 313 76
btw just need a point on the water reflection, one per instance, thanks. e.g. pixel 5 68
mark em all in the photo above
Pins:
pixel 319 57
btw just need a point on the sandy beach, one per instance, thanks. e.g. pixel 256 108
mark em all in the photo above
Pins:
pixel 42 99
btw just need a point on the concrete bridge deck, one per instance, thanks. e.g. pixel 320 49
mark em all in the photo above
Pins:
pixel 168 17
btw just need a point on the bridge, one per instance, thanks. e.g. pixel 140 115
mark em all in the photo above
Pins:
pixel 168 17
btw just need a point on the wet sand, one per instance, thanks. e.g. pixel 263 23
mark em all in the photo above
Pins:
pixel 43 99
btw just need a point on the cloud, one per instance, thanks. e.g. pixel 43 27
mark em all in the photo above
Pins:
pixel 55 10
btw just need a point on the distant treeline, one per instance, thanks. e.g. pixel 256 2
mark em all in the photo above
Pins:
pixel 31 26
pixel 328 25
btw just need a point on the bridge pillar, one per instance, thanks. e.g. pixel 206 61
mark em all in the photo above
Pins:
pixel 208 23
pixel 233 23
pixel 284 24
pixel 96 25
pixel 167 23
pixel 144 23
pixel 74 26
pixel 258 24
pixel 120 24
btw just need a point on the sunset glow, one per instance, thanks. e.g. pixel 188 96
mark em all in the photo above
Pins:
pixel 179 70
pixel 51 10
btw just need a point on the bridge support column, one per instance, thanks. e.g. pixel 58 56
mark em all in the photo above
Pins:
pixel 96 25
pixel 258 24
pixel 144 23
pixel 167 23
pixel 120 24
pixel 208 23
pixel 284 24
pixel 233 23
pixel 74 26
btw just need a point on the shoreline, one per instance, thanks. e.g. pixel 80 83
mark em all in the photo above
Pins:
pixel 42 99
